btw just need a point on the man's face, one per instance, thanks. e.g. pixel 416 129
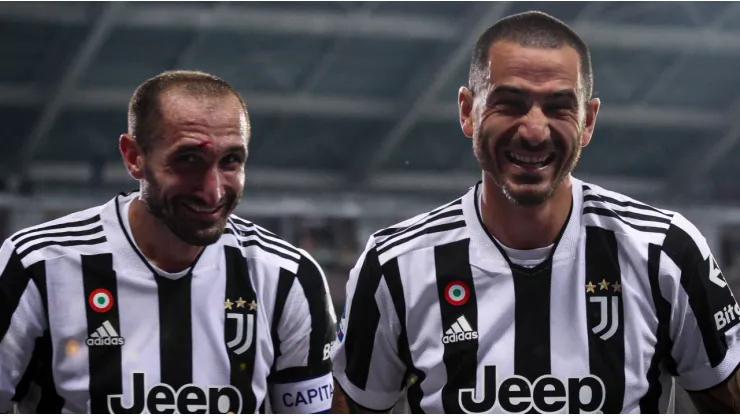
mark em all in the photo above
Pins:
pixel 530 120
pixel 193 176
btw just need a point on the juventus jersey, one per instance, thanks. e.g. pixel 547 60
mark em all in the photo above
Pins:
pixel 630 300
pixel 87 324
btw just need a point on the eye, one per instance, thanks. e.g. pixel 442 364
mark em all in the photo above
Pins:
pixel 232 161
pixel 187 158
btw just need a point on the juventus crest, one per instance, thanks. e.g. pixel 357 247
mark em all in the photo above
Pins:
pixel 604 307
pixel 240 325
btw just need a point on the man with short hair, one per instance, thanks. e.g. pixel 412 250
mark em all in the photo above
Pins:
pixel 535 291
pixel 162 300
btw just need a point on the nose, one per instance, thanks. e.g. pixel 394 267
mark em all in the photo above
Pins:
pixel 534 127
pixel 210 189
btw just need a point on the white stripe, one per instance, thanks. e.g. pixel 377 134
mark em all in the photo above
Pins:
pixel 108 327
pixel 264 237
pixel 598 191
pixel 408 233
pixel 614 224
pixel 450 332
pixel 404 225
pixel 456 328
pixel 102 333
pixel 94 335
pixel 426 241
pixel 62 221
pixel 56 239
pixel 33 236
pixel 267 244
pixel 624 212
pixel 464 324
pixel 640 322
pixel 64 282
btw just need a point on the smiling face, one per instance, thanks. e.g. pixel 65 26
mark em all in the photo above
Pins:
pixel 193 176
pixel 530 120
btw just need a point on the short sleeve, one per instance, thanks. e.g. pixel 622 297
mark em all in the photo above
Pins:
pixel 366 358
pixel 303 334
pixel 704 329
pixel 22 321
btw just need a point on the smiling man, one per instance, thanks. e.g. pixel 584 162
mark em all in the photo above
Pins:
pixel 162 300
pixel 535 291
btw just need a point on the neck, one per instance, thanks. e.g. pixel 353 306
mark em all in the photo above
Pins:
pixel 157 243
pixel 522 227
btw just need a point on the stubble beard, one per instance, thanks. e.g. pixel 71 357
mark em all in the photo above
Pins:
pixel 487 161
pixel 161 208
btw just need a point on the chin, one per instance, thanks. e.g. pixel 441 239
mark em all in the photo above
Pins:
pixel 200 236
pixel 528 194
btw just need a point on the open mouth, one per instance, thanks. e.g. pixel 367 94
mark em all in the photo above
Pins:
pixel 528 160
pixel 200 210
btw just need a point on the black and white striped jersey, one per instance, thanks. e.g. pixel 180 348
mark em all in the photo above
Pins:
pixel 88 325
pixel 630 300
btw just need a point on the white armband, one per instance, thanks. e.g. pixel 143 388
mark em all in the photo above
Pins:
pixel 308 396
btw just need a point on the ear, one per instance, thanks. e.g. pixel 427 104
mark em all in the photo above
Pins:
pixel 465 108
pixel 132 155
pixel 592 110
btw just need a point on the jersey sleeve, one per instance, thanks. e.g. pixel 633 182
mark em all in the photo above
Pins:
pixel 367 364
pixel 303 332
pixel 704 315
pixel 21 322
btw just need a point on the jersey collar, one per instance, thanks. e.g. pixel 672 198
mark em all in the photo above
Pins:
pixel 485 253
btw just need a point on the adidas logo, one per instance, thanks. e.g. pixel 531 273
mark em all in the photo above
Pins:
pixel 104 335
pixel 459 331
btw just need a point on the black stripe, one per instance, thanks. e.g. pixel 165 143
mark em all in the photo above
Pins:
pixel 603 212
pixel 51 401
pixel 285 283
pixel 531 323
pixel 248 224
pixel 634 204
pixel 258 243
pixel 175 330
pixel 431 230
pixel 631 214
pixel 452 264
pixel 393 230
pixel 426 221
pixel 705 298
pixel 81 223
pixel 650 402
pixel 76 233
pixel 606 357
pixel 68 243
pixel 13 282
pixel 363 323
pixel 265 237
pixel 323 331
pixel 104 362
pixel 413 377
pixel 239 288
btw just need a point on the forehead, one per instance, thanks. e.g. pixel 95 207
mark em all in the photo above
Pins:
pixel 212 116
pixel 532 68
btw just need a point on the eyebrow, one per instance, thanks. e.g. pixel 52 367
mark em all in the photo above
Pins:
pixel 198 148
pixel 506 89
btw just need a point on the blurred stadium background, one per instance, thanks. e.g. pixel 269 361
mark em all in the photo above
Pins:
pixel 353 107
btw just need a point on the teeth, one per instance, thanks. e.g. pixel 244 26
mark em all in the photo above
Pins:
pixel 201 210
pixel 527 159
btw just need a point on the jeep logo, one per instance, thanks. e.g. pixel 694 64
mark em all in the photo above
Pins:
pixel 547 394
pixel 189 399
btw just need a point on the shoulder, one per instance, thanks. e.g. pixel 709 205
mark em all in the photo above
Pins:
pixel 442 225
pixel 625 215
pixel 81 231
pixel 676 236
pixel 264 246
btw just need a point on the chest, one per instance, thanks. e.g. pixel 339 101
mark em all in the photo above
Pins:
pixel 525 332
